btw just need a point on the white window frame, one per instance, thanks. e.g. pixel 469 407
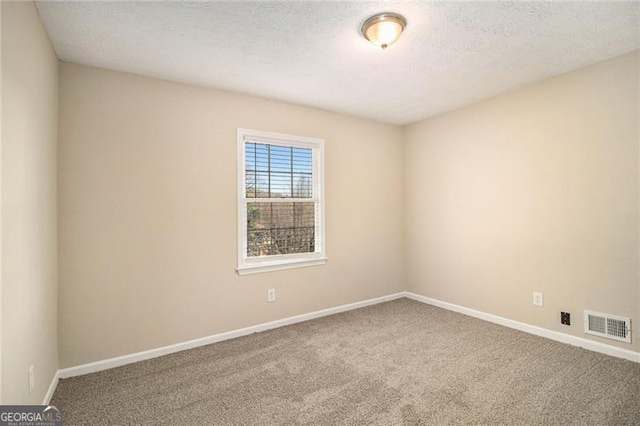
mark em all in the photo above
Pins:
pixel 252 265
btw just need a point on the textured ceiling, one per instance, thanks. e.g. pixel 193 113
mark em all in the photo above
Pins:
pixel 311 53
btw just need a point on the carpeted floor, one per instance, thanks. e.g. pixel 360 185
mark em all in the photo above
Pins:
pixel 400 362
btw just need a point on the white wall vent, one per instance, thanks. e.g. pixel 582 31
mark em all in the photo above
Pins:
pixel 608 326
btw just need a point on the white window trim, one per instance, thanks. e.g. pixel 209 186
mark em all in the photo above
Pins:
pixel 253 265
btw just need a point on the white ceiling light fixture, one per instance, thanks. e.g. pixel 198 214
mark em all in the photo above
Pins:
pixel 383 29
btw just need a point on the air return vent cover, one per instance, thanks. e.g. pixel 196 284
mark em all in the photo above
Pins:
pixel 607 325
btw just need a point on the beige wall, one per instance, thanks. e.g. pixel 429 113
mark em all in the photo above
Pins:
pixel 147 214
pixel 29 271
pixel 637 318
pixel 536 190
pixel 0 207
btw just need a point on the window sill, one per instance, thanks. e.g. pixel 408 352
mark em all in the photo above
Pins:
pixel 279 266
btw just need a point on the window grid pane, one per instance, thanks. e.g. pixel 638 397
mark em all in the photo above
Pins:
pixel 278 171
pixel 280 228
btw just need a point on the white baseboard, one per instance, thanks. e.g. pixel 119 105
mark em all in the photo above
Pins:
pixel 165 350
pixel 531 329
pixel 52 388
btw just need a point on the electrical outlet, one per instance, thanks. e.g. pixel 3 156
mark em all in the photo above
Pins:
pixel 271 295
pixel 31 379
pixel 565 318
pixel 537 299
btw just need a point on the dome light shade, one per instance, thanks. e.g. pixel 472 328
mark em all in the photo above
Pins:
pixel 383 29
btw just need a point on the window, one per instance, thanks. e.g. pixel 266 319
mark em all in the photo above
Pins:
pixel 280 202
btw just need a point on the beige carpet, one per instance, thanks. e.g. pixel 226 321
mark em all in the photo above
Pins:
pixel 400 362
